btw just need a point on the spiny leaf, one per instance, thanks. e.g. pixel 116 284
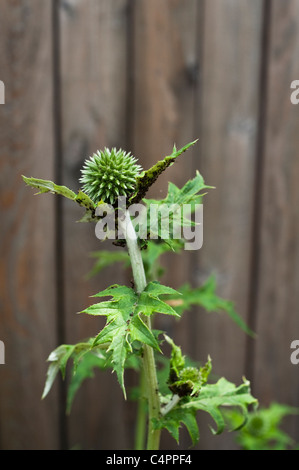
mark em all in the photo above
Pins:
pixel 148 177
pixel 140 332
pixel 262 430
pixel 107 258
pixel 190 192
pixel 148 305
pixel 211 399
pixel 110 309
pixel 117 292
pixel 46 186
pixel 58 359
pixel 124 324
pixel 224 393
pixel 84 369
pixel 167 217
pixel 126 301
pixel 106 335
pixel 149 301
pixel 172 422
pixel 152 253
pixel 177 360
pixel 155 289
pixel 205 296
pixel 119 347
pixel 84 200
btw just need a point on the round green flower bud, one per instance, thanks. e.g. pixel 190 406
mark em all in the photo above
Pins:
pixel 190 374
pixel 109 174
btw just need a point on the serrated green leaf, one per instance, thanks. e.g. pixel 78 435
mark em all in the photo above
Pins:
pixel 88 217
pixel 177 360
pixel 120 347
pixel 172 426
pixel 52 372
pixel 122 305
pixel 107 258
pixel 124 324
pixel 191 190
pixel 176 197
pixel 111 309
pixel 148 177
pixel 45 186
pixel 58 359
pixel 213 399
pixel 172 422
pixel 176 153
pixel 84 370
pixel 153 252
pixel 155 289
pixel 118 292
pixel 140 332
pixel 109 331
pixel 127 301
pixel 189 420
pixel 85 356
pixel 205 371
pixel 170 214
pixel 206 297
pixel 84 200
pixel 262 430
pixel 223 393
pixel 149 305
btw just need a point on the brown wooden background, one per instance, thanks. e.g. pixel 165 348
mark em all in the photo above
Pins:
pixel 143 74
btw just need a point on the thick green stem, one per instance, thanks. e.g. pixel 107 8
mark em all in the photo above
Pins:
pixel 153 440
pixel 140 431
pixel 173 402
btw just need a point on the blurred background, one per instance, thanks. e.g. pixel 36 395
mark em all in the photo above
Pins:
pixel 142 75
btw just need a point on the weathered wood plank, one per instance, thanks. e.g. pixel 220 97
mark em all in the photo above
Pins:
pixel 227 126
pixel 275 378
pixel 27 274
pixel 164 78
pixel 94 84
pixel 164 43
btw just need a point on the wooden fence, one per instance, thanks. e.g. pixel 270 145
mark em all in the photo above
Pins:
pixel 142 74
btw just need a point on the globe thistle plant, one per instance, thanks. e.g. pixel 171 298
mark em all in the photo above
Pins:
pixel 109 174
pixel 128 331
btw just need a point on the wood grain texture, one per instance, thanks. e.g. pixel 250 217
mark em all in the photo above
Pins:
pixel 164 80
pixel 93 86
pixel 275 378
pixel 27 287
pixel 144 75
pixel 164 51
pixel 227 126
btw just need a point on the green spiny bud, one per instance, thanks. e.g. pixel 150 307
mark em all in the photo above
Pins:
pixel 190 374
pixel 109 174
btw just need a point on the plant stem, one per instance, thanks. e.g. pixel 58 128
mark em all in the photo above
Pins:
pixel 141 414
pixel 153 438
pixel 173 402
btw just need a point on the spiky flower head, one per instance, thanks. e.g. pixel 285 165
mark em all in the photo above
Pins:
pixel 109 174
